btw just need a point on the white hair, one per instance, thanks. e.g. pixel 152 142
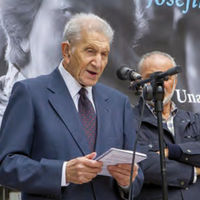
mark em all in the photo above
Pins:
pixel 86 21
pixel 147 55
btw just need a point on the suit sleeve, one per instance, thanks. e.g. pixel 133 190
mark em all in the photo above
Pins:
pixel 17 169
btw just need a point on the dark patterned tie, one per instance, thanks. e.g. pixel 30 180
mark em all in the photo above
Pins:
pixel 88 117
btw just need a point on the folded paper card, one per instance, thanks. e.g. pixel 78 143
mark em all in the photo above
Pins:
pixel 118 156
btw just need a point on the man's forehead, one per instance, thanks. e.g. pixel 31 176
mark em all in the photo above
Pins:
pixel 95 38
pixel 157 63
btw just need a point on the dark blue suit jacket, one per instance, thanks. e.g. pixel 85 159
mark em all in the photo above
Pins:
pixel 41 129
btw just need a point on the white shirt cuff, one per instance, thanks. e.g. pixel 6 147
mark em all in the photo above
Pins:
pixel 63 178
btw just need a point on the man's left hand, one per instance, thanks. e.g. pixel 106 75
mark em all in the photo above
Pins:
pixel 121 173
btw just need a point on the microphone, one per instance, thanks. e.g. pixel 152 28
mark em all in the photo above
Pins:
pixel 126 73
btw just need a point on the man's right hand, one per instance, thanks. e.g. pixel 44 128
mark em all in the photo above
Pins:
pixel 82 169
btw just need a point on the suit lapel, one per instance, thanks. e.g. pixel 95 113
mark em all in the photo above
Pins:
pixel 102 110
pixel 61 101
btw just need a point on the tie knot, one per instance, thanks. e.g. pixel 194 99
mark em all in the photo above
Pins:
pixel 82 92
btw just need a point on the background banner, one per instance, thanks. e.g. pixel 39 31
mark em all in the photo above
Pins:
pixel 31 33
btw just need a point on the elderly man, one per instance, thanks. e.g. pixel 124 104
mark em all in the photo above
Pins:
pixel 56 124
pixel 181 137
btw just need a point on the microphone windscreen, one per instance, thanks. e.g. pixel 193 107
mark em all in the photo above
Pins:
pixel 122 73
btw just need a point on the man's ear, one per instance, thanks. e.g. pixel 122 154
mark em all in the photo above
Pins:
pixel 66 50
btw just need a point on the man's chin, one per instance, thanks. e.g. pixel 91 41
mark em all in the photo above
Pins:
pixel 167 99
pixel 88 83
pixel 166 102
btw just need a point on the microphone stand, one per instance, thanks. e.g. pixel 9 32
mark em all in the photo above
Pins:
pixel 158 96
pixel 157 83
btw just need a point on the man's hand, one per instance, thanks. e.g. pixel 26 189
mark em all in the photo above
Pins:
pixel 166 151
pixel 82 169
pixel 198 171
pixel 121 173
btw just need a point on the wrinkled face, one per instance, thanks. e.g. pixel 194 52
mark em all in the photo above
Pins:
pixel 86 59
pixel 161 63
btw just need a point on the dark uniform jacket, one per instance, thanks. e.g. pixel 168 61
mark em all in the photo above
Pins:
pixel 180 170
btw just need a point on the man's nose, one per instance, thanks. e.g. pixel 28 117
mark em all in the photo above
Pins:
pixel 97 60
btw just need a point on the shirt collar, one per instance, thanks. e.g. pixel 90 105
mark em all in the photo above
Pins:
pixel 72 84
pixel 173 108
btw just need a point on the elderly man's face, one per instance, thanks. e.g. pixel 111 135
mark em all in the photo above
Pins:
pixel 161 63
pixel 87 58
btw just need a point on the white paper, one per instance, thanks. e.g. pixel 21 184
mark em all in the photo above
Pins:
pixel 118 156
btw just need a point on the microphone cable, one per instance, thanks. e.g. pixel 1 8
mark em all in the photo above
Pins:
pixel 134 148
